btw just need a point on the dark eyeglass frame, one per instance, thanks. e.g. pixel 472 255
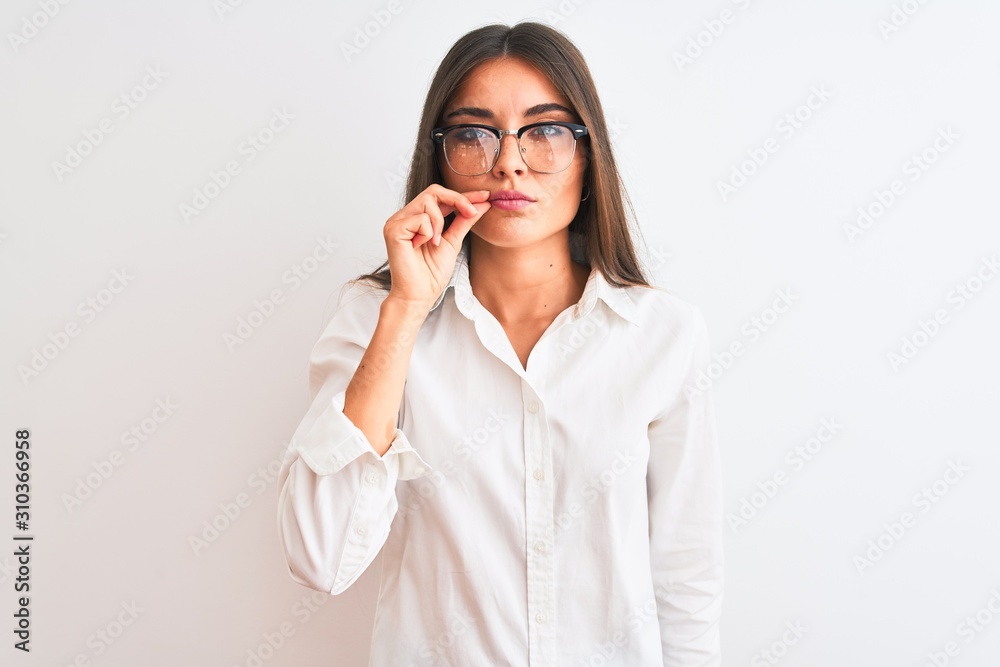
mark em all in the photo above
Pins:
pixel 437 136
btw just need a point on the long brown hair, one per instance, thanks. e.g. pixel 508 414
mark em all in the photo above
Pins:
pixel 604 218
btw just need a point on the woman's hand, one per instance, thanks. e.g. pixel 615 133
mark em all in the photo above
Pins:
pixel 421 253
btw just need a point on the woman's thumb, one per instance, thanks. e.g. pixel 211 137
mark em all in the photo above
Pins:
pixel 461 225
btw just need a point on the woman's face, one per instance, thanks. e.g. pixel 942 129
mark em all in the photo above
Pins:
pixel 501 93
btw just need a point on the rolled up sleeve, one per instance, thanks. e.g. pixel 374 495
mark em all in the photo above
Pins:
pixel 684 488
pixel 336 495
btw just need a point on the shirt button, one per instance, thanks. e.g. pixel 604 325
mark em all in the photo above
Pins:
pixel 540 618
pixel 539 547
pixel 371 478
pixel 539 474
pixel 533 407
pixel 360 530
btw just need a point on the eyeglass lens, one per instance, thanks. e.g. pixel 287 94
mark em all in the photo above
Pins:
pixel 472 151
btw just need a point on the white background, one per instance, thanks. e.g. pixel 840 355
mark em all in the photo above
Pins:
pixel 335 172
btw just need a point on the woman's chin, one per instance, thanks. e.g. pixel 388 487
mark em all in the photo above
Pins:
pixel 514 233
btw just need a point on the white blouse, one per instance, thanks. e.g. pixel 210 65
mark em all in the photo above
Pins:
pixel 568 513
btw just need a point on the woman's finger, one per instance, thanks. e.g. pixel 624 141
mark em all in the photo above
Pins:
pixel 450 200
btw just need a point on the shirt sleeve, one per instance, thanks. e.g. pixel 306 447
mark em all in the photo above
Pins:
pixel 336 495
pixel 684 487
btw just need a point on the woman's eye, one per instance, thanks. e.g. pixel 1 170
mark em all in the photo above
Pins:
pixel 470 134
pixel 547 131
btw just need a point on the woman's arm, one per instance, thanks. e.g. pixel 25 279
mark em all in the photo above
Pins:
pixel 684 487
pixel 336 487
pixel 376 388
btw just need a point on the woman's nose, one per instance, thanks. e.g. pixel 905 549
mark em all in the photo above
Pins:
pixel 510 160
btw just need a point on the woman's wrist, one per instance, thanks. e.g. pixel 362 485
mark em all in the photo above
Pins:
pixel 410 313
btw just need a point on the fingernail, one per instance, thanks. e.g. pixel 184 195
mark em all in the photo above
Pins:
pixel 437 240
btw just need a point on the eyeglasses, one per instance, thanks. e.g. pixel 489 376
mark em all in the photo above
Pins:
pixel 471 150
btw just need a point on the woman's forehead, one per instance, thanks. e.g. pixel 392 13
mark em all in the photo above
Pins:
pixel 508 85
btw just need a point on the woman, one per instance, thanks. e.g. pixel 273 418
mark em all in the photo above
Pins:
pixel 527 449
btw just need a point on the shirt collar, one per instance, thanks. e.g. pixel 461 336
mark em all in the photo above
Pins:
pixel 617 298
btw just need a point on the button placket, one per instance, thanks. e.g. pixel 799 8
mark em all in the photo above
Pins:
pixel 538 525
pixel 359 521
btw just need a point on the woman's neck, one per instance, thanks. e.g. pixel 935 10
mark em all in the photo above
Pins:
pixel 523 285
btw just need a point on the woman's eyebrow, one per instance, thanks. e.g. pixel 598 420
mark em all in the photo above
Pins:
pixel 476 112
pixel 537 110
pixel 540 109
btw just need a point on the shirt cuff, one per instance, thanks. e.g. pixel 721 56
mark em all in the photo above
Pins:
pixel 334 441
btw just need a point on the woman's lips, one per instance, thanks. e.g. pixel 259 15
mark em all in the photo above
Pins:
pixel 510 204
pixel 510 200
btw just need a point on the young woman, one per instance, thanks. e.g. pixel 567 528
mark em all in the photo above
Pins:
pixel 507 411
